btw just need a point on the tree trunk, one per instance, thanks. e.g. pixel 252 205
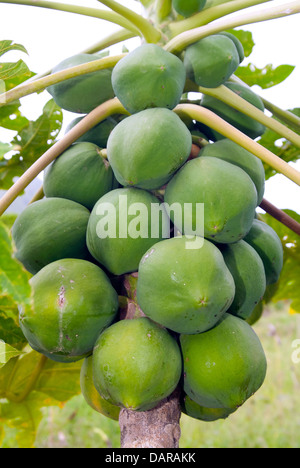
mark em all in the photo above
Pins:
pixel 156 428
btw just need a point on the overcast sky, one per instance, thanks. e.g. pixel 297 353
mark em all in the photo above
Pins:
pixel 51 36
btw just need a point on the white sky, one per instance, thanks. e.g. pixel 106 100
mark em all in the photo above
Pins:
pixel 51 36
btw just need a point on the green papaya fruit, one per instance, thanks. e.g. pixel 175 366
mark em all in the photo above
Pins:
pixel 237 42
pixel 123 225
pixel 149 77
pixel 211 61
pixel 146 149
pixel 248 273
pixel 241 121
pixel 73 302
pixel 256 314
pixel 267 244
pixel 98 134
pixel 227 192
pixel 136 364
pixel 80 174
pixel 49 230
pixel 233 153
pixel 224 366
pixel 192 409
pixel 91 395
pixel 188 8
pixel 83 93
pixel 184 286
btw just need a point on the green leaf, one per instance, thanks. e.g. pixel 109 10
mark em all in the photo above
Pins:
pixel 15 290
pixel 246 39
pixel 264 77
pixel 288 286
pixel 33 140
pixel 6 46
pixel 7 352
pixel 279 146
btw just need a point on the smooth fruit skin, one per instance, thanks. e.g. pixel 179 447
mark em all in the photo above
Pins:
pixel 224 366
pixel 186 290
pixel 195 411
pixel 80 174
pixel 98 134
pixel 83 93
pixel 49 230
pixel 73 302
pixel 227 192
pixel 187 8
pixel 118 235
pixel 90 394
pixel 147 148
pixel 149 77
pixel 233 153
pixel 241 121
pixel 211 61
pixel 136 364
pixel 268 245
pixel 248 273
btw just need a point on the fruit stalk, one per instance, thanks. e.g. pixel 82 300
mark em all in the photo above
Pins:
pixel 96 116
pixel 43 83
pixel 212 120
pixel 229 97
pixel 180 42
pixel 80 10
pixel 281 216
pixel 211 14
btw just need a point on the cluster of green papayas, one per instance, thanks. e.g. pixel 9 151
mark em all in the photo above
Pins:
pixel 137 207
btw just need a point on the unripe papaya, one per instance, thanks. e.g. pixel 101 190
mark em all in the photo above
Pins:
pixel 233 153
pixel 136 364
pixel 256 314
pixel 49 230
pixel 267 244
pixel 98 134
pixel 188 8
pixel 237 42
pixel 123 225
pixel 242 122
pixel 227 192
pixel 183 288
pixel 149 77
pixel 211 61
pixel 73 302
pixel 80 174
pixel 83 93
pixel 224 366
pixel 91 395
pixel 192 409
pixel 248 273
pixel 146 149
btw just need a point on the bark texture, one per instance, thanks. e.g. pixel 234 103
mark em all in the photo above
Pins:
pixel 156 428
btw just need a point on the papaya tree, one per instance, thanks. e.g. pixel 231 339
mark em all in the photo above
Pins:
pixel 149 246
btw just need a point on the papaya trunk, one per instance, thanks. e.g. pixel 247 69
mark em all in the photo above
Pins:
pixel 156 428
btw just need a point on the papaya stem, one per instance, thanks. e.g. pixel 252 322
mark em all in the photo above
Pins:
pixel 163 9
pixel 96 116
pixel 237 102
pixel 212 120
pixel 281 216
pixel 38 195
pixel 210 14
pixel 180 42
pixel 149 32
pixel 106 15
pixel 31 382
pixel 284 115
pixel 42 83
